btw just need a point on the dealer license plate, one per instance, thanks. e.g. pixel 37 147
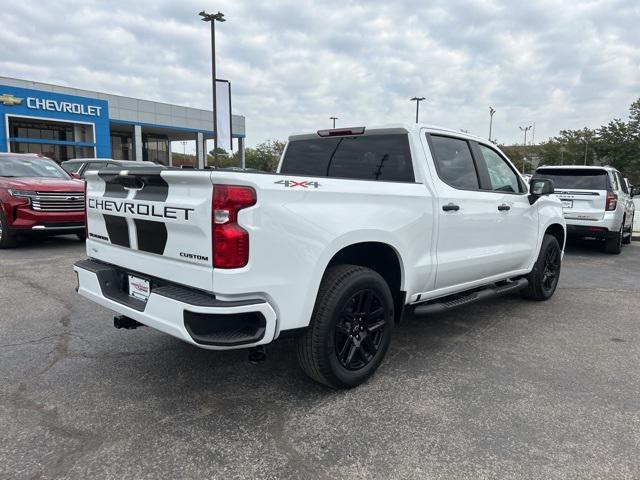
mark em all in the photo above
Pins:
pixel 139 288
pixel 567 203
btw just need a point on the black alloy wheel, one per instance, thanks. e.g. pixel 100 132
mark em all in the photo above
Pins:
pixel 360 330
pixel 551 270
pixel 543 279
pixel 350 329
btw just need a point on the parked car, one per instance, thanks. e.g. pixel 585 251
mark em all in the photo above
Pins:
pixel 356 225
pixel 78 167
pixel 38 196
pixel 596 201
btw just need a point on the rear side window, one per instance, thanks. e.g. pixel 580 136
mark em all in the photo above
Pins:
pixel 454 162
pixel 575 178
pixel 369 157
pixel 621 182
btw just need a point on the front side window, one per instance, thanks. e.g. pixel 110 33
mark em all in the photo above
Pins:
pixel 368 157
pixel 454 162
pixel 501 176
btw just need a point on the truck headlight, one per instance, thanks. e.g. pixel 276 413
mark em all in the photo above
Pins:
pixel 22 193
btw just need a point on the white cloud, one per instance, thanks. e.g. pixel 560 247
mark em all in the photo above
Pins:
pixel 294 63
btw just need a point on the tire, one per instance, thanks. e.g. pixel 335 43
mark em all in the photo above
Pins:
pixel 544 277
pixel 7 238
pixel 82 236
pixel 350 327
pixel 627 240
pixel 613 245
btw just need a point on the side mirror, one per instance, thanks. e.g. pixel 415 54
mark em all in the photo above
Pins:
pixel 74 175
pixel 539 187
pixel 635 191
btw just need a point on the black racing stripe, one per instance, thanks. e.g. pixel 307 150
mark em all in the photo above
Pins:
pixel 118 230
pixel 155 188
pixel 152 236
pixel 112 188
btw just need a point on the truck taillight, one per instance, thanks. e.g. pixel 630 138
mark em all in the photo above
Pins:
pixel 230 240
pixel 612 201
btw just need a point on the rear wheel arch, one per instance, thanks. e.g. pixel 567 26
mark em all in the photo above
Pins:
pixel 380 257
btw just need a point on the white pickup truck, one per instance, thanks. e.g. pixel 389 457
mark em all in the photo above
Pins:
pixel 356 225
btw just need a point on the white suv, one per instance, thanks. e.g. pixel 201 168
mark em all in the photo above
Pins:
pixel 596 202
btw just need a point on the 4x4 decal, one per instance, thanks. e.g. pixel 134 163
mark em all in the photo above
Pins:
pixel 295 183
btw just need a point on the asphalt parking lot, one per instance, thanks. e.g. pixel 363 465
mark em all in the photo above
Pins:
pixel 502 389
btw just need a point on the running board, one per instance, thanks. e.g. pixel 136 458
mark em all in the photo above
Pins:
pixel 475 296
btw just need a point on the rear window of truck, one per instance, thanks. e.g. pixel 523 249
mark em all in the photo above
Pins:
pixel 369 157
pixel 579 179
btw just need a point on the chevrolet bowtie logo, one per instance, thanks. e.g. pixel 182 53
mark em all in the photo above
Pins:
pixel 8 99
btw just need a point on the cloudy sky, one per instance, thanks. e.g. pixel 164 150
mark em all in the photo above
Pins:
pixel 295 63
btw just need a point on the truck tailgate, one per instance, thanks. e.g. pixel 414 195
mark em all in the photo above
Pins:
pixel 152 221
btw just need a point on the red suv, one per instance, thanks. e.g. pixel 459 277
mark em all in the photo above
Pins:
pixel 37 195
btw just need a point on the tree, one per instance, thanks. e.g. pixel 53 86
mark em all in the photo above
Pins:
pixel 265 156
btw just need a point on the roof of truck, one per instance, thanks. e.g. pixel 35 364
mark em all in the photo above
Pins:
pixel 390 128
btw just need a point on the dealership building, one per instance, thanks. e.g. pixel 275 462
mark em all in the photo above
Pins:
pixel 64 123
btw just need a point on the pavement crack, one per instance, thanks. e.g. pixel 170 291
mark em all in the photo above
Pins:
pixel 85 442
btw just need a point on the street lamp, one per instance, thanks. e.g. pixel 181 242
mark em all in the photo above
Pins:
pixel 334 121
pixel 417 100
pixel 213 18
pixel 525 130
pixel 491 112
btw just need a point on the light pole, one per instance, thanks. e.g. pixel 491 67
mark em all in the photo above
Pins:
pixel 417 100
pixel 213 18
pixel 525 130
pixel 491 112
pixel 184 148
pixel 334 121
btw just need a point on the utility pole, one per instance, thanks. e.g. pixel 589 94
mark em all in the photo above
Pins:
pixel 184 148
pixel 417 100
pixel 491 112
pixel 525 130
pixel 586 144
pixel 213 18
pixel 334 121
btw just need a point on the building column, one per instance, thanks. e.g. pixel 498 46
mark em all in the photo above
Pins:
pixel 137 143
pixel 170 154
pixel 241 151
pixel 200 150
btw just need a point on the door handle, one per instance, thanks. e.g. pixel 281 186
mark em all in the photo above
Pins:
pixel 450 207
pixel 504 207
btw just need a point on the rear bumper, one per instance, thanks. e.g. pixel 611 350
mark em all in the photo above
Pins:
pixel 595 231
pixel 184 313
pixel 608 226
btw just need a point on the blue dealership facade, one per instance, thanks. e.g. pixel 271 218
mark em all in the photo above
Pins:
pixel 63 123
